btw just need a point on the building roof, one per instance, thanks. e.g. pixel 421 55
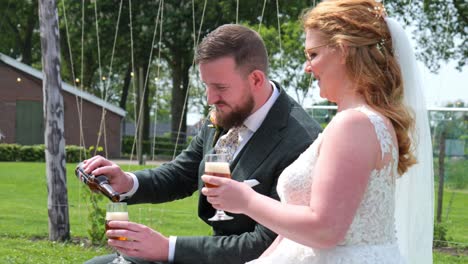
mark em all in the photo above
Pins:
pixel 65 86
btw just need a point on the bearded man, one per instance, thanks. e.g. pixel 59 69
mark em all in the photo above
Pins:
pixel 271 131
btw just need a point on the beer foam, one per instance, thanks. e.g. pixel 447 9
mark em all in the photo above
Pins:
pixel 219 167
pixel 118 216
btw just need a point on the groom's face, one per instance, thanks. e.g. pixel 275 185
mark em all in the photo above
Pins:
pixel 228 90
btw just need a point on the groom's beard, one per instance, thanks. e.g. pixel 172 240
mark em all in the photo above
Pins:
pixel 238 114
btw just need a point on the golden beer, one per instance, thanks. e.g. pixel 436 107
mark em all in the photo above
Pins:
pixel 218 169
pixel 116 216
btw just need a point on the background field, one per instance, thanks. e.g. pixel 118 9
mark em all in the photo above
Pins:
pixel 24 220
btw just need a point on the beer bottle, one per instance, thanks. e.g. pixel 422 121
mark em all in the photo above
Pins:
pixel 97 184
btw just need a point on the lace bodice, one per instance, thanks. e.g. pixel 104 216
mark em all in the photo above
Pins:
pixel 374 221
pixel 372 232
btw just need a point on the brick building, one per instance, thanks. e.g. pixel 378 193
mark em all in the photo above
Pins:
pixel 21 108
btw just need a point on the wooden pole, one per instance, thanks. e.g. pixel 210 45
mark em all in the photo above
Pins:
pixel 57 200
pixel 440 195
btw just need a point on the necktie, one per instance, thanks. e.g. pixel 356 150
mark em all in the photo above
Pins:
pixel 228 143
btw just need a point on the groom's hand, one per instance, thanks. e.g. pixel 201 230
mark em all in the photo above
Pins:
pixel 142 241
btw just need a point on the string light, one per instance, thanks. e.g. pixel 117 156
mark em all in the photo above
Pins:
pixel 103 78
pixel 77 80
pixel 18 79
pixel 131 74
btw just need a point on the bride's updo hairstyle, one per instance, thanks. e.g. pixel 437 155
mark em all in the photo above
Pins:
pixel 358 28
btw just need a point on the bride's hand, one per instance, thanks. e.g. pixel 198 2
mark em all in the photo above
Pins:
pixel 230 195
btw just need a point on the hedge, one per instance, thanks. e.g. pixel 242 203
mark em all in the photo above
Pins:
pixel 163 146
pixel 16 152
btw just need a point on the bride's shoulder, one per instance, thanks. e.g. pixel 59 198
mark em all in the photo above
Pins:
pixel 350 118
pixel 349 123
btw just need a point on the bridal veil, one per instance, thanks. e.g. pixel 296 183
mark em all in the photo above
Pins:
pixel 414 212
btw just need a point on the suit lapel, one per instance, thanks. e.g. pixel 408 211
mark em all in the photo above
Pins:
pixel 265 139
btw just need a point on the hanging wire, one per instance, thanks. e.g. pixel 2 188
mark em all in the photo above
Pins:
pixel 158 73
pixel 101 85
pixel 104 96
pixel 104 87
pixel 132 72
pixel 113 49
pixel 237 12
pixel 80 110
pixel 261 17
pixel 98 49
pixel 79 101
pixel 140 110
pixel 188 84
pixel 279 33
pixel 193 24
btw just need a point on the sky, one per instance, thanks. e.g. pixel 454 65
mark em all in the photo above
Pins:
pixel 448 85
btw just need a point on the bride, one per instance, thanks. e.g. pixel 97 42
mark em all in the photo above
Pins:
pixel 362 192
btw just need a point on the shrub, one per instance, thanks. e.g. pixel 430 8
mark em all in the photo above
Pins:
pixel 9 152
pixel 440 235
pixel 15 152
pixel 32 153
pixel 163 146
pixel 75 154
pixel 96 216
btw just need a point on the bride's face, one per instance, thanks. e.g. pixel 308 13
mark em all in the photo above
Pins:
pixel 326 63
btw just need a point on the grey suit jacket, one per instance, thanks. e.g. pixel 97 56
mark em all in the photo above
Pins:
pixel 285 133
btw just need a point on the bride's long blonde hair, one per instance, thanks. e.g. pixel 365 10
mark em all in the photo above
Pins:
pixel 359 26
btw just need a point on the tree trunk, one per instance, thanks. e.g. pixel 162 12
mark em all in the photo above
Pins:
pixel 180 76
pixel 29 32
pixel 57 201
pixel 441 174
pixel 125 87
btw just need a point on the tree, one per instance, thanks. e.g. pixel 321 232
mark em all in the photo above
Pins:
pixel 22 37
pixel 57 202
pixel 287 60
pixel 183 25
pixel 440 28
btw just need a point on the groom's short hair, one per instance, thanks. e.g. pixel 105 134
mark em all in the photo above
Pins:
pixel 241 43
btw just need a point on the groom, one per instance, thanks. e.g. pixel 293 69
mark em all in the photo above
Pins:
pixel 233 64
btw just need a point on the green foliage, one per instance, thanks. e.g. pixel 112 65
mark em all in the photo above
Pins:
pixel 440 235
pixel 449 258
pixel 440 28
pixel 76 153
pixel 23 235
pixel 24 220
pixel 12 152
pixel 455 173
pixel 9 152
pixel 287 59
pixel 93 151
pixel 20 249
pixel 163 146
pixel 96 216
pixel 32 153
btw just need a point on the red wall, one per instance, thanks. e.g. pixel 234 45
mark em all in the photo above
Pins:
pixel 30 89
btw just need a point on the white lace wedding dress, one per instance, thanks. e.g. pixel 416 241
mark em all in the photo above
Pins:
pixel 371 237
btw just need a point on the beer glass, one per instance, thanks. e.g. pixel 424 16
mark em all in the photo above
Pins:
pixel 119 212
pixel 217 165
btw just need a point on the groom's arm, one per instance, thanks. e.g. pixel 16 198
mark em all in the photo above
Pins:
pixel 173 180
pixel 231 249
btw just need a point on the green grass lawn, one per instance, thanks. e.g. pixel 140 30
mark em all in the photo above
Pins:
pixel 24 220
